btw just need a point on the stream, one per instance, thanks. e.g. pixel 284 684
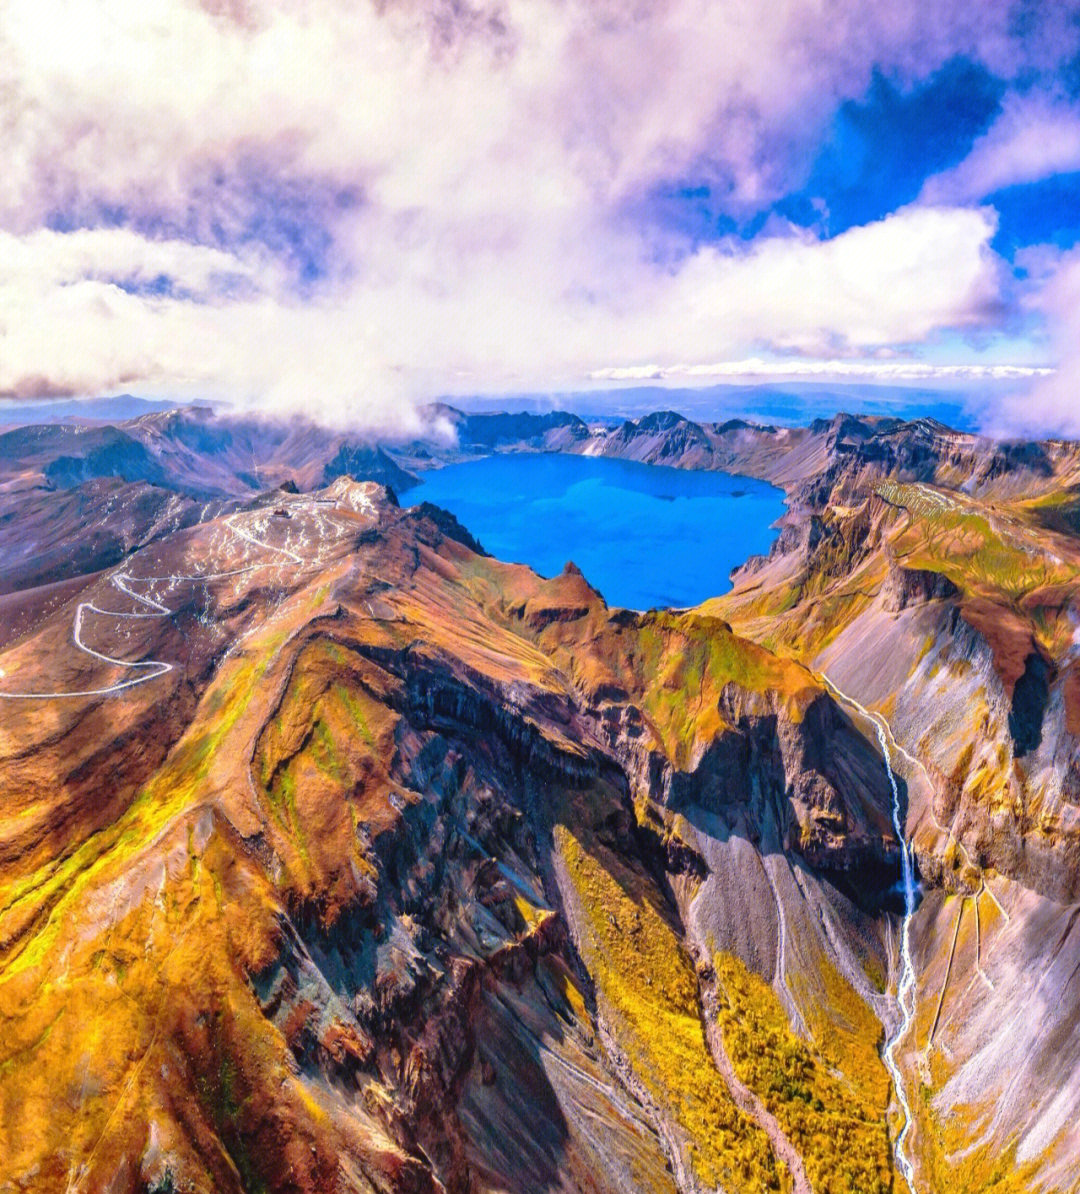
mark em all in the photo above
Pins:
pixel 905 991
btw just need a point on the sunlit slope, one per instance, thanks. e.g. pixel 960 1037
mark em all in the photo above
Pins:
pixel 954 616
pixel 416 871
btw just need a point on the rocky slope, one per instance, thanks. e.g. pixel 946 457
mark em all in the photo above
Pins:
pixel 414 871
pixel 367 862
pixel 193 451
pixel 931 579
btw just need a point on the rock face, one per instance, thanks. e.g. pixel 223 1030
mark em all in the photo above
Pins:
pixel 367 862
pixel 554 432
pixel 194 452
pixel 661 438
pixel 906 587
pixel 414 872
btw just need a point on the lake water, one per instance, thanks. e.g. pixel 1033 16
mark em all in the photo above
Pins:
pixel 644 535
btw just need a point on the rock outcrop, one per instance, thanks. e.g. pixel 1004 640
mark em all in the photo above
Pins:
pixel 395 879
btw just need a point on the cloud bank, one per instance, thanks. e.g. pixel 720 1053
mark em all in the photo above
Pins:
pixel 349 208
pixel 834 370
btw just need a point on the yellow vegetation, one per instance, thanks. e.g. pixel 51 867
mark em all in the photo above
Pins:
pixel 846 1032
pixel 688 660
pixel 840 1135
pixel 972 546
pixel 647 991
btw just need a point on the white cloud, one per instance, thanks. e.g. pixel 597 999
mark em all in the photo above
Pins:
pixel 754 368
pixel 45 259
pixel 1034 137
pixel 412 100
pixel 1052 406
pixel 471 169
pixel 505 321
pixel 893 281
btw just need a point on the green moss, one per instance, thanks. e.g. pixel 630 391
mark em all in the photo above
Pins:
pixel 219 1094
pixel 952 535
pixel 355 712
pixel 687 660
pixel 324 752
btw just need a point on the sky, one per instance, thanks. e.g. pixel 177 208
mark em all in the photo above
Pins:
pixel 345 209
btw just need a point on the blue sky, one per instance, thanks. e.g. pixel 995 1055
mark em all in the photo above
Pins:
pixel 879 151
pixel 873 157
pixel 348 209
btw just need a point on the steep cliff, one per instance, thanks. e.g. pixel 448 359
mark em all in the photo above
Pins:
pixel 930 586
pixel 413 871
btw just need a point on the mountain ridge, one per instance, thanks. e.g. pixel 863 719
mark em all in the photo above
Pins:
pixel 390 842
pixel 511 687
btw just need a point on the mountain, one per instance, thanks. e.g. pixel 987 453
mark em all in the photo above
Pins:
pixel 934 580
pixel 339 855
pixel 791 457
pixel 405 844
pixel 931 578
pixel 119 406
pixel 194 451
pixel 455 435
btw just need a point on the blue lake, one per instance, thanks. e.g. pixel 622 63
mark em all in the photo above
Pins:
pixel 644 535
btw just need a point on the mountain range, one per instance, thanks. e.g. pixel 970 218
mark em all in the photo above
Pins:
pixel 336 854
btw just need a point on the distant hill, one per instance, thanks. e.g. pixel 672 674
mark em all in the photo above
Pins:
pixel 193 450
pixel 121 406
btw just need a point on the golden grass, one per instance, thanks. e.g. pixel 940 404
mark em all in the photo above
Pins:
pixel 841 1136
pixel 648 993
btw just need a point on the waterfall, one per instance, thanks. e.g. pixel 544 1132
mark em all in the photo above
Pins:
pixel 905 991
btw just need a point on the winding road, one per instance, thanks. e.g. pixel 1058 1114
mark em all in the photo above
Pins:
pixel 122 581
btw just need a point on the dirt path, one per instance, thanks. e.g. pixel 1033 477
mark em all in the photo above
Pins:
pixel 746 1100
pixel 122 581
